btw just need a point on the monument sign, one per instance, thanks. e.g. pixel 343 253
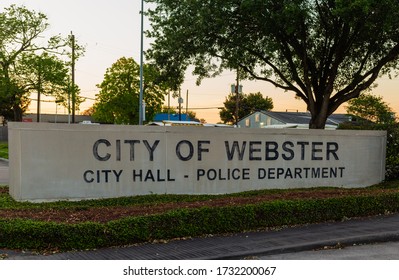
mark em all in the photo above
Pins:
pixel 72 162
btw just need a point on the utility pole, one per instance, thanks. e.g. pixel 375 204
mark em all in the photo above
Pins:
pixel 186 105
pixel 237 90
pixel 69 103
pixel 169 106
pixel 237 98
pixel 73 77
pixel 39 87
pixel 141 111
pixel 180 101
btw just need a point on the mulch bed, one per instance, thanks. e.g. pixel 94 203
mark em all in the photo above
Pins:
pixel 106 214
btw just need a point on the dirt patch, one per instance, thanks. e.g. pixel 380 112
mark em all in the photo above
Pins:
pixel 105 214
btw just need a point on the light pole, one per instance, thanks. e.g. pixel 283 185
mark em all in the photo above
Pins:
pixel 141 111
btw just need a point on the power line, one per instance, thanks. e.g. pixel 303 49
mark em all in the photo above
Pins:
pixel 205 108
pixel 41 100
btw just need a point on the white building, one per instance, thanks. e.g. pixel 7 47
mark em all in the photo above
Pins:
pixel 271 119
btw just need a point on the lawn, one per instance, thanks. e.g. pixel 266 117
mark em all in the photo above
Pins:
pixel 4 150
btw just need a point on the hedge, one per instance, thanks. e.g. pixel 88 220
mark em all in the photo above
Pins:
pixel 40 235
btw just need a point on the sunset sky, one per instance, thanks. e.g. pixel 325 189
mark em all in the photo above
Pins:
pixel 111 30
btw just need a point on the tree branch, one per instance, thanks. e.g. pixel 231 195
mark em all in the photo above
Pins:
pixel 354 89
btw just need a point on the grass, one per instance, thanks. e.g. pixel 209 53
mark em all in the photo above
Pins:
pixel 4 150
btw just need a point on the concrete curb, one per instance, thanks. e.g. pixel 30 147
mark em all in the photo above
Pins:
pixel 318 245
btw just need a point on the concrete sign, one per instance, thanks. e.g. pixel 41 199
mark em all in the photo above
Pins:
pixel 60 162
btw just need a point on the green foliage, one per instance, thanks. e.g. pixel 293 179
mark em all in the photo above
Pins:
pixel 3 149
pixel 371 108
pixel 25 64
pixel 44 74
pixel 326 52
pixel 118 100
pixel 13 99
pixel 247 103
pixel 170 110
pixel 19 29
pixel 39 235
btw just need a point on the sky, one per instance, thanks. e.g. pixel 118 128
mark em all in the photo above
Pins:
pixel 111 29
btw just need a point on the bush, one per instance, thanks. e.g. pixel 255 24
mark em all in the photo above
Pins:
pixel 39 235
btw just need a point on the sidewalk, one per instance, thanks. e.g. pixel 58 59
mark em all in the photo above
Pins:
pixel 236 246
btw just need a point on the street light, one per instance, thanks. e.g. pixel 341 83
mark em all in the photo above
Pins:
pixel 141 111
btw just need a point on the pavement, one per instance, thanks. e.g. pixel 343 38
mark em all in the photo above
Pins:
pixel 384 228
pixel 3 171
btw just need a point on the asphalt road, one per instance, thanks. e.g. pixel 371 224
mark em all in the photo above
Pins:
pixel 380 251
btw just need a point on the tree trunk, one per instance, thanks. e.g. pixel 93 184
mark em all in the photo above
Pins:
pixel 18 113
pixel 319 109
pixel 318 119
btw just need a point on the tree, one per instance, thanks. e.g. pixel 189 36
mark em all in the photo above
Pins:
pixel 88 111
pixel 26 65
pixel 193 116
pixel 325 51
pixel 19 30
pixel 43 74
pixel 15 103
pixel 118 99
pixel 372 108
pixel 168 110
pixel 248 103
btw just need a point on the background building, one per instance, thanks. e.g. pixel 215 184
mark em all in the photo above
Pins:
pixel 270 119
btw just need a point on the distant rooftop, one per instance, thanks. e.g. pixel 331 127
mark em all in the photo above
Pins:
pixel 170 117
pixel 56 118
pixel 272 119
pixel 304 117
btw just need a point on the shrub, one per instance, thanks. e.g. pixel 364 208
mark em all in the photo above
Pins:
pixel 39 235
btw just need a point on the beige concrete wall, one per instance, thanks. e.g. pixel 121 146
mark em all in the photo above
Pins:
pixel 59 162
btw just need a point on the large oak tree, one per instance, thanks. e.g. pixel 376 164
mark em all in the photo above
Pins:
pixel 325 51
